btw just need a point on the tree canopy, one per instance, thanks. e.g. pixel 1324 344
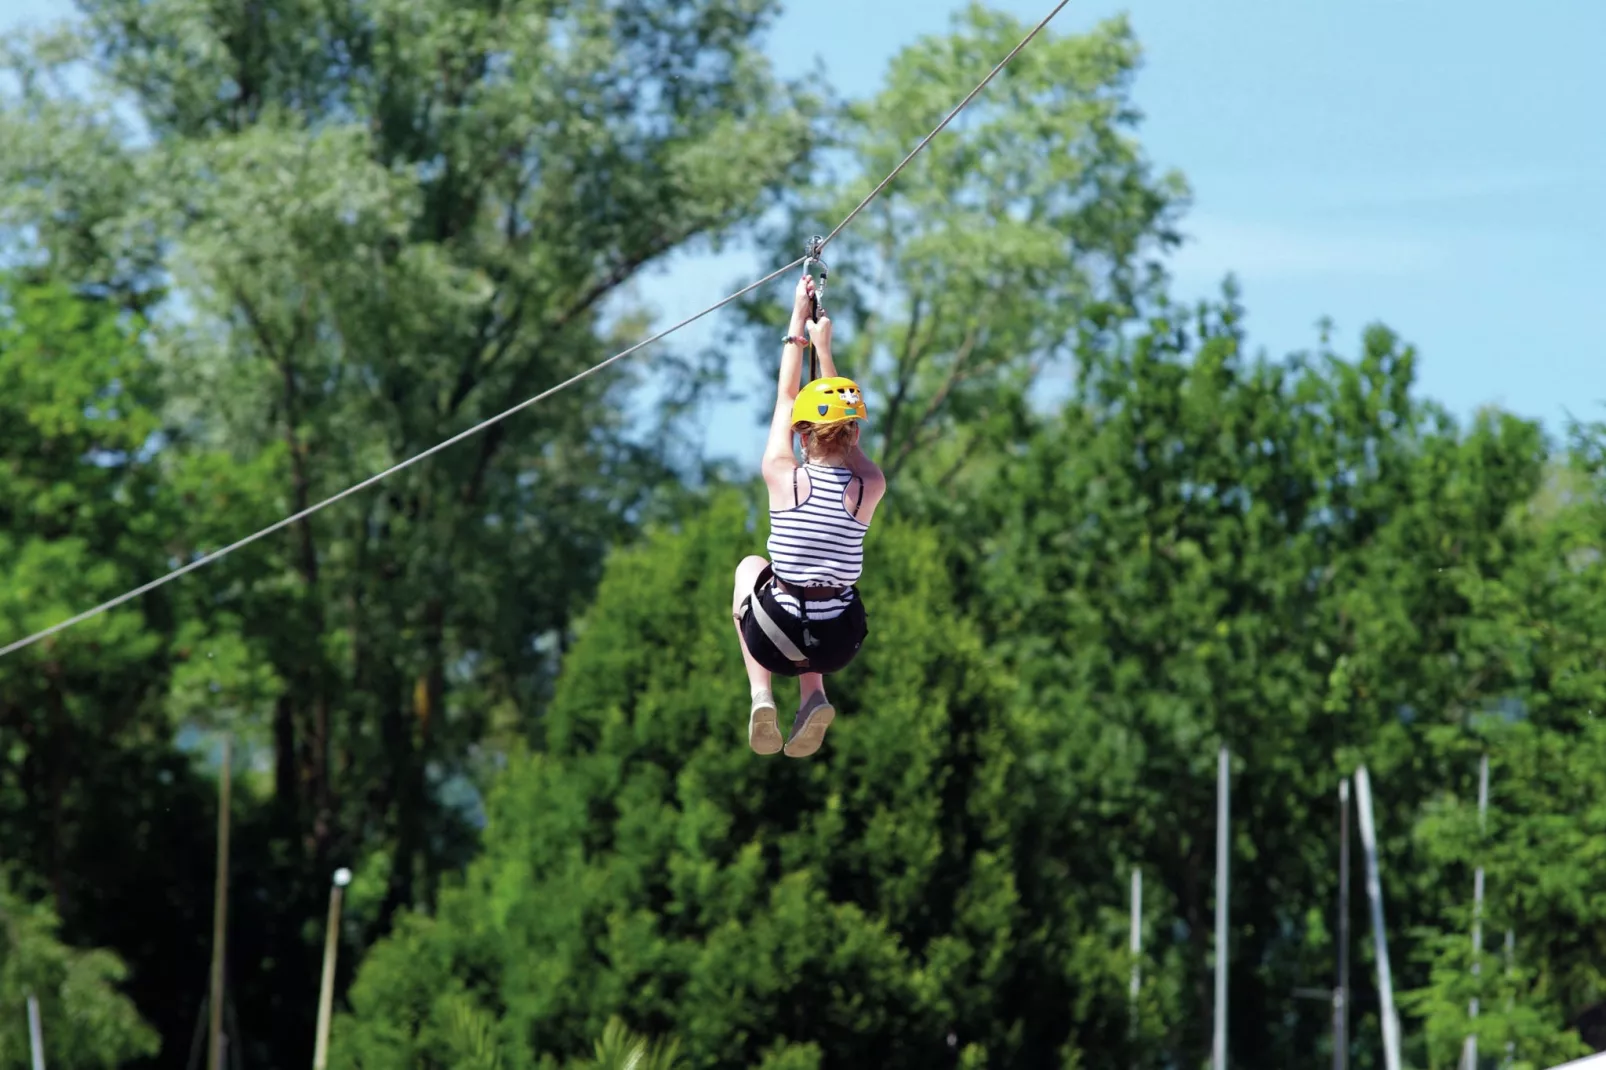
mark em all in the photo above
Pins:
pixel 1290 557
pixel 256 253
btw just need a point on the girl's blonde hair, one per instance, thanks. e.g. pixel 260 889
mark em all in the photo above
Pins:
pixel 826 438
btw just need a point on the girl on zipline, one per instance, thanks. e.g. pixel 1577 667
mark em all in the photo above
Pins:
pixel 799 613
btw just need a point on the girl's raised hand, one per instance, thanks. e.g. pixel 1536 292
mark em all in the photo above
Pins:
pixel 819 332
pixel 803 299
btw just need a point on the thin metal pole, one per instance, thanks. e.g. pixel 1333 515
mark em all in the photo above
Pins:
pixel 1511 966
pixel 1136 943
pixel 1218 1054
pixel 326 990
pixel 1374 892
pixel 1469 1052
pixel 220 909
pixel 1341 993
pixel 36 1033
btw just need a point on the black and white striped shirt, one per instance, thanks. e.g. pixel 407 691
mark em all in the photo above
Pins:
pixel 818 543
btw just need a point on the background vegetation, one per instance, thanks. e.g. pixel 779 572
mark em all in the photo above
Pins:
pixel 257 252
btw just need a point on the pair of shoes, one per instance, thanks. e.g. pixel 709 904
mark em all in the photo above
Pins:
pixel 763 733
pixel 808 731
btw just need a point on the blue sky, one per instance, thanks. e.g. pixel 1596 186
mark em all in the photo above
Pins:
pixel 1438 167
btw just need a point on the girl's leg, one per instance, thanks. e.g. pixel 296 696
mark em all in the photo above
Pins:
pixel 763 731
pixel 758 677
pixel 814 715
pixel 810 682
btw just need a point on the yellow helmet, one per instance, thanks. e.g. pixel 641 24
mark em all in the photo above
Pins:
pixel 829 401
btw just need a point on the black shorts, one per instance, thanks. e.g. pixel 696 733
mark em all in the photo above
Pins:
pixel 828 645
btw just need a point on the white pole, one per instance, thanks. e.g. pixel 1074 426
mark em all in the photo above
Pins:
pixel 1469 1052
pixel 220 911
pixel 36 1036
pixel 1374 893
pixel 1218 1055
pixel 1136 947
pixel 326 991
pixel 1341 992
pixel 1511 965
pixel 1137 933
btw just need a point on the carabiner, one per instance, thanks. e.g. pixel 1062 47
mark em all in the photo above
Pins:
pixel 812 252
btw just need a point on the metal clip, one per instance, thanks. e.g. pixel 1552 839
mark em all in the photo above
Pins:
pixel 813 252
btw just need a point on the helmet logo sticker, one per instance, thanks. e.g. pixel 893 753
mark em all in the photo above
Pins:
pixel 823 409
pixel 850 397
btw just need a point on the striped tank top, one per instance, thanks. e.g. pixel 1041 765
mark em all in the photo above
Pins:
pixel 818 543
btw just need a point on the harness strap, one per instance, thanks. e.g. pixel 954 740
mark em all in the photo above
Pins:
pixel 767 624
pixel 809 594
pixel 772 630
pixel 788 649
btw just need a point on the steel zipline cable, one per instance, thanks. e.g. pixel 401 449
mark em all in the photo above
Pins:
pixel 817 246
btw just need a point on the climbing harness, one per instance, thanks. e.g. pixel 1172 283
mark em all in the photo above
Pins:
pixel 816 249
pixel 776 634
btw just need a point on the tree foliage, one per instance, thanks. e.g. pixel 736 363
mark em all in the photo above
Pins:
pixel 353 231
pixel 86 1020
pixel 1289 557
pixel 1035 211
pixel 1208 549
pixel 1537 982
pixel 98 809
pixel 263 252
pixel 640 865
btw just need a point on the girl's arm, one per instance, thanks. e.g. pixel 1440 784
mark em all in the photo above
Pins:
pixel 863 467
pixel 778 449
pixel 820 335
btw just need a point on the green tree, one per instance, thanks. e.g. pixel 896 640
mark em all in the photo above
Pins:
pixel 86 1021
pixel 350 231
pixel 358 229
pixel 966 280
pixel 643 864
pixel 1206 548
pixel 1540 850
pixel 620 1049
pixel 1539 637
pixel 1201 547
pixel 98 810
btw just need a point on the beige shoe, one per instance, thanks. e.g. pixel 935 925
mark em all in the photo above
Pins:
pixel 763 732
pixel 808 731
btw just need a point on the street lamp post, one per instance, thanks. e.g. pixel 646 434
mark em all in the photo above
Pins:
pixel 326 993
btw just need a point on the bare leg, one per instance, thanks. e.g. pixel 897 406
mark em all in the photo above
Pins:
pixel 763 732
pixel 814 715
pixel 810 682
pixel 758 677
